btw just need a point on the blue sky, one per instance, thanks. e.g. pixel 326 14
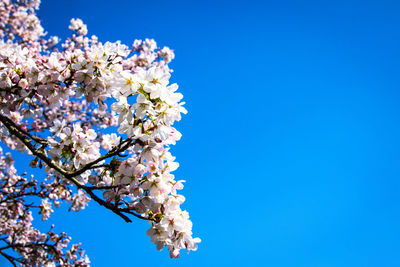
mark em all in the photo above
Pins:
pixel 291 147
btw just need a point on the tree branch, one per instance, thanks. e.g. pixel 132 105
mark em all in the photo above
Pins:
pixel 34 138
pixel 15 130
pixel 125 144
pixel 9 258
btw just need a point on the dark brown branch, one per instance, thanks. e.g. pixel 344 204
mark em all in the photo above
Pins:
pixel 105 204
pixel 15 130
pixel 34 138
pixel 137 215
pixel 103 187
pixel 125 144
pixel 9 258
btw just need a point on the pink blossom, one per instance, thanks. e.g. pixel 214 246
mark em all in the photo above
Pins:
pixel 98 119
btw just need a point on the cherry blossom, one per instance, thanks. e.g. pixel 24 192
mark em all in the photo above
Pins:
pixel 98 119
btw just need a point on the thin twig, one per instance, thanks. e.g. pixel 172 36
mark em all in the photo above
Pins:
pixel 9 258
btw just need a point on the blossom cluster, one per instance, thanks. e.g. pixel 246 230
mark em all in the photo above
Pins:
pixel 98 117
pixel 16 229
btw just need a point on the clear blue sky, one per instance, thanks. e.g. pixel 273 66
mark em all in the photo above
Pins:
pixel 291 147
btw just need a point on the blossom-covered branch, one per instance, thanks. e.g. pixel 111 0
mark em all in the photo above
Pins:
pixel 17 234
pixel 98 119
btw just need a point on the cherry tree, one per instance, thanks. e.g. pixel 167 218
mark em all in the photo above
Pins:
pixel 97 119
